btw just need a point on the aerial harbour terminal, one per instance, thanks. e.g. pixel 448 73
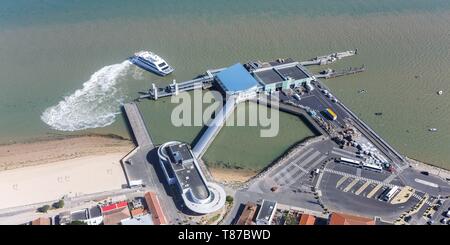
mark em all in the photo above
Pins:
pixel 345 151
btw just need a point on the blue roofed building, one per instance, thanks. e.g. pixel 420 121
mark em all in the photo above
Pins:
pixel 237 81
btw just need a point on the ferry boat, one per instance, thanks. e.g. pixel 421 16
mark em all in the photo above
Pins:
pixel 151 62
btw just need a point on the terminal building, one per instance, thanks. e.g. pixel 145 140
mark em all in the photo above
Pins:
pixel 245 81
pixel 181 168
pixel 280 74
pixel 238 82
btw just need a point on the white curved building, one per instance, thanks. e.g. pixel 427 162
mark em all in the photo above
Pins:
pixel 180 167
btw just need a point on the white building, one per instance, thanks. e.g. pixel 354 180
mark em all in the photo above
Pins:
pixel 180 168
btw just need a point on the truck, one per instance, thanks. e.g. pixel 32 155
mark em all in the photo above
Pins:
pixel 331 114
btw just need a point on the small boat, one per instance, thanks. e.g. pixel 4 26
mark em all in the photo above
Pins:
pixel 440 92
pixel 361 91
pixel 151 62
pixel 378 113
pixel 432 129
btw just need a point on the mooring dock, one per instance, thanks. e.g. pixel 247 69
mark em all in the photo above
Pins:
pixel 330 58
pixel 202 82
pixel 329 73
pixel 140 132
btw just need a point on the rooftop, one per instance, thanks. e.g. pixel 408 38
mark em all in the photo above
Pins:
pixel 41 221
pixel 80 215
pixel 236 78
pixel 115 216
pixel 141 220
pixel 247 215
pixel 179 153
pixel 95 212
pixel 266 210
pixel 280 70
pixel 307 219
pixel 294 72
pixel 348 219
pixel 155 208
pixel 113 206
pixel 187 173
pixel 137 212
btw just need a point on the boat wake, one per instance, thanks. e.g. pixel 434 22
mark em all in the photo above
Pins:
pixel 95 105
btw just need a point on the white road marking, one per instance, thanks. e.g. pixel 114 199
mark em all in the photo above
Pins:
pixel 424 182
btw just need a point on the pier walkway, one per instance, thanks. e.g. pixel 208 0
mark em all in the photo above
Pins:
pixel 214 127
pixel 202 82
pixel 330 58
pixel 141 135
pixel 329 73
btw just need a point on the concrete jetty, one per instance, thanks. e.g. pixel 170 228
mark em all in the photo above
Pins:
pixel 330 58
pixel 141 135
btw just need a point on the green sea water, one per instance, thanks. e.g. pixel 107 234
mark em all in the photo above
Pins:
pixel 53 51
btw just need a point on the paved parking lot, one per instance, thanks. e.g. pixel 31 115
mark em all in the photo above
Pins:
pixel 354 194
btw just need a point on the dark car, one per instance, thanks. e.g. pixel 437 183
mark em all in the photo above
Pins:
pixel 425 173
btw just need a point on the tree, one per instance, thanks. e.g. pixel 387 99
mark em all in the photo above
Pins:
pixel 59 204
pixel 44 209
pixel 229 199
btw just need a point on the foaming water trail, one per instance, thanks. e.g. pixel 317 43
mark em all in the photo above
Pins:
pixel 95 105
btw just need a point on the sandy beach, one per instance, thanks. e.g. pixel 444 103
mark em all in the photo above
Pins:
pixel 50 169
pixel 54 150
pixel 72 177
pixel 231 176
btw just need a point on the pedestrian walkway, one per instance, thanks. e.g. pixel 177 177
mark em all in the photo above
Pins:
pixel 415 195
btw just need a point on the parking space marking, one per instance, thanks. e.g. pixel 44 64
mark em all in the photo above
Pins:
pixel 303 154
pixel 374 190
pixel 356 177
pixel 293 180
pixel 341 180
pixel 315 162
pixel 362 188
pixel 308 159
pixel 349 186
pixel 291 159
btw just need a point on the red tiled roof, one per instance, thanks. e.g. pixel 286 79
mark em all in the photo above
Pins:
pixel 307 219
pixel 114 206
pixel 155 208
pixel 137 212
pixel 115 216
pixel 348 219
pixel 41 221
pixel 247 214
